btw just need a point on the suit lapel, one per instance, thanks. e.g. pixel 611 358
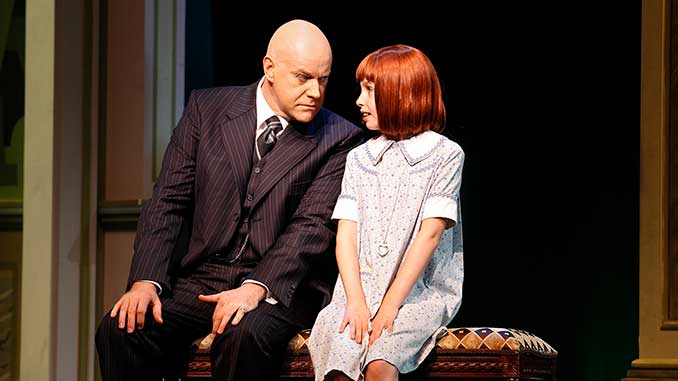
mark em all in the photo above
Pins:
pixel 294 145
pixel 238 137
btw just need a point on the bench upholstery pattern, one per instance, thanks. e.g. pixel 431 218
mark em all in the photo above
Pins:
pixel 475 352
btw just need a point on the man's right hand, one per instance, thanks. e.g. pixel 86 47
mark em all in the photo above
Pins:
pixel 133 305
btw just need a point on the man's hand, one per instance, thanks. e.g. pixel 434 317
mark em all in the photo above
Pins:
pixel 238 301
pixel 133 306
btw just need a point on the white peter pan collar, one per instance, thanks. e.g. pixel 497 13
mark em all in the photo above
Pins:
pixel 414 149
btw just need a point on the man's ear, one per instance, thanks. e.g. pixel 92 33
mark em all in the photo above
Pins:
pixel 269 68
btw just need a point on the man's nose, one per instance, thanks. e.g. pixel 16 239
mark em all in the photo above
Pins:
pixel 313 89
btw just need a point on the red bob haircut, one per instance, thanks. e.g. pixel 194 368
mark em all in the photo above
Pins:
pixel 407 91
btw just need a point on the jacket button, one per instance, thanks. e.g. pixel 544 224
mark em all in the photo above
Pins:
pixel 250 197
pixel 257 170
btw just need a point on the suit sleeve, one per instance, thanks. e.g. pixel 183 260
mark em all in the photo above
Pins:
pixel 311 232
pixel 169 209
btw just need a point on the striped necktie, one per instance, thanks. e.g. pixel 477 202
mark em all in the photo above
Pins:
pixel 267 139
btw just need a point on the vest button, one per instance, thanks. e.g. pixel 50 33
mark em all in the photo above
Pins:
pixel 257 170
pixel 250 197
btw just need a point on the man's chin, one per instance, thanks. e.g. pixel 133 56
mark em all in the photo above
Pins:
pixel 305 116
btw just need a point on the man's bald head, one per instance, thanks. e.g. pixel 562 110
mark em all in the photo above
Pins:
pixel 299 38
pixel 297 67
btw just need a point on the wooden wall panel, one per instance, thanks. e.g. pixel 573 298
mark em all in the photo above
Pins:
pixel 10 246
pixel 10 300
pixel 117 256
pixel 124 94
pixel 657 336
pixel 672 260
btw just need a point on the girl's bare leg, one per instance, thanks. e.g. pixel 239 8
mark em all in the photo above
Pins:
pixel 380 370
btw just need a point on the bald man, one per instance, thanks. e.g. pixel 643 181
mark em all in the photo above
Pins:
pixel 237 239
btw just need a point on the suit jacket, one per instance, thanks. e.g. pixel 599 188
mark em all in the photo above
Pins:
pixel 203 184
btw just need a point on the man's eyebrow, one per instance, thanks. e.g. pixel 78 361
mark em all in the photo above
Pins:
pixel 309 74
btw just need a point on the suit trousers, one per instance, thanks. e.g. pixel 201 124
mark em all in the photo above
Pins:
pixel 251 350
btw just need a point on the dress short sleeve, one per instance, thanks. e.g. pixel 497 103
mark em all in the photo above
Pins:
pixel 443 198
pixel 347 204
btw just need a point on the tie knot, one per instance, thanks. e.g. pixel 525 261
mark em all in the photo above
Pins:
pixel 273 123
pixel 268 138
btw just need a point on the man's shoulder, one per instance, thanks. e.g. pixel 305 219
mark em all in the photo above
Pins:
pixel 221 93
pixel 216 104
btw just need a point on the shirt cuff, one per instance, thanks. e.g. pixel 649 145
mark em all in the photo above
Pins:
pixel 156 284
pixel 269 299
pixel 442 207
pixel 346 209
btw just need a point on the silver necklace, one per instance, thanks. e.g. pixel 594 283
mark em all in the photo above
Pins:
pixel 383 249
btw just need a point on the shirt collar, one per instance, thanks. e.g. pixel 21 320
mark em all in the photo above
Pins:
pixel 264 111
pixel 414 149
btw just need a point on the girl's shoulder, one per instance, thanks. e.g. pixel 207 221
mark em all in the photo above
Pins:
pixel 370 150
pixel 438 146
pixel 446 145
pixel 356 151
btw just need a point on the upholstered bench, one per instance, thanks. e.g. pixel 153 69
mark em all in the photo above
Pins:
pixel 478 353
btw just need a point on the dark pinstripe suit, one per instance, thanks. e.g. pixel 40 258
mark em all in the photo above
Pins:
pixel 207 176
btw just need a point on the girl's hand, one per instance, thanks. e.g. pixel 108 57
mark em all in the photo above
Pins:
pixel 357 317
pixel 383 320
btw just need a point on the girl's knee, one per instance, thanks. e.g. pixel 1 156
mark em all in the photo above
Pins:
pixel 381 370
pixel 337 376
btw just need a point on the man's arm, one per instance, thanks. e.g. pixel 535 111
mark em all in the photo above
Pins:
pixel 310 232
pixel 159 226
pixel 162 217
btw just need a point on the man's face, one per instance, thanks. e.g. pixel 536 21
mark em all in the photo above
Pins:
pixel 299 87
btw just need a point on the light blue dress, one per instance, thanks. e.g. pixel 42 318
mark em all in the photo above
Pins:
pixel 388 189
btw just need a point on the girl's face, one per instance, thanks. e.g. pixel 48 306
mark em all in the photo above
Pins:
pixel 365 102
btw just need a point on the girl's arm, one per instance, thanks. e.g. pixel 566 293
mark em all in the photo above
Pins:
pixel 416 260
pixel 357 313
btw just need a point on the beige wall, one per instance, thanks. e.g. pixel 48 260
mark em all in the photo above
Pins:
pixel 90 148
pixel 37 302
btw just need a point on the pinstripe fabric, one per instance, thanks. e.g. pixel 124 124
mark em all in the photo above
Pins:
pixel 208 162
pixel 207 175
pixel 252 350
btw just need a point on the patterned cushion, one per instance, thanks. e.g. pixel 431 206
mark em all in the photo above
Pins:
pixel 463 338
pixel 504 339
pixel 478 353
pixel 299 341
pixel 490 338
